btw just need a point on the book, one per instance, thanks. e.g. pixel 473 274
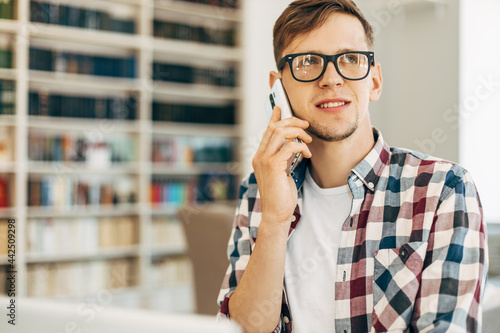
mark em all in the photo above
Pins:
pixel 188 150
pixel 201 34
pixel 5 146
pixel 188 113
pixel 207 75
pixel 67 62
pixel 4 192
pixel 5 58
pixel 65 192
pixel 43 103
pixel 6 9
pixel 216 3
pixel 4 237
pixel 167 231
pixel 7 97
pixel 172 271
pixel 73 16
pixel 79 278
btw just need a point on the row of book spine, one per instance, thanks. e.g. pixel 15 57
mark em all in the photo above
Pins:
pixel 206 75
pixel 68 62
pixel 175 192
pixel 55 13
pixel 60 191
pixel 80 235
pixel 188 150
pixel 6 9
pixel 188 113
pixel 7 97
pixel 168 271
pixel 43 103
pixel 4 237
pixel 201 34
pixel 80 278
pixel 4 191
pixel 167 231
pixel 94 152
pixel 5 59
pixel 172 192
pixel 217 3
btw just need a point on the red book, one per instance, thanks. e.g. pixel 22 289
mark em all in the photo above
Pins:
pixel 3 193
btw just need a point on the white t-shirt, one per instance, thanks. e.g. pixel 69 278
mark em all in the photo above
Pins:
pixel 311 257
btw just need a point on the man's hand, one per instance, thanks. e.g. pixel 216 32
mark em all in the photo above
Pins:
pixel 277 190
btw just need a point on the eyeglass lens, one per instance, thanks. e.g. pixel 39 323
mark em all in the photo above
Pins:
pixel 310 66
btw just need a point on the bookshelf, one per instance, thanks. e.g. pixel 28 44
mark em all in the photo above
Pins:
pixel 113 114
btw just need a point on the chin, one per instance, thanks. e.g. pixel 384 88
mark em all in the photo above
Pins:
pixel 329 135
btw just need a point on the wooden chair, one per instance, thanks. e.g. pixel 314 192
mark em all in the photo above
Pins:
pixel 207 228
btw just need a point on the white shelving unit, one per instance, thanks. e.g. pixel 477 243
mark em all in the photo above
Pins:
pixel 147 49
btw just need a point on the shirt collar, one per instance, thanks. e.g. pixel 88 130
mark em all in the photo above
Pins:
pixel 368 170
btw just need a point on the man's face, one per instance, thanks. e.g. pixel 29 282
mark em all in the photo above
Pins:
pixel 312 101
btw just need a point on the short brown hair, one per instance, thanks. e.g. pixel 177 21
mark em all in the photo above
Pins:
pixel 303 16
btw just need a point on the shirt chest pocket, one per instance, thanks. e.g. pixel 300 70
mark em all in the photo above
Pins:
pixel 396 281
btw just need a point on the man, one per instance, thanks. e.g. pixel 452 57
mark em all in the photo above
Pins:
pixel 362 237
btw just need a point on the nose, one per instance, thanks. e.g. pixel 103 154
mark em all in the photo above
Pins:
pixel 330 77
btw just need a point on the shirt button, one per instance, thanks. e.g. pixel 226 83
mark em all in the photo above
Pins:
pixel 370 185
pixel 286 320
pixel 293 218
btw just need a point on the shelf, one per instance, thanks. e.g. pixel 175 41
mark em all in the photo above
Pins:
pixel 164 209
pixel 173 128
pixel 86 36
pixel 191 169
pixel 83 211
pixel 90 83
pixel 56 167
pixel 99 254
pixel 8 73
pixel 196 50
pixel 7 213
pixel 138 94
pixel 101 126
pixel 7 120
pixel 4 260
pixel 193 92
pixel 119 294
pixel 200 10
pixel 167 251
pixel 6 167
pixel 12 26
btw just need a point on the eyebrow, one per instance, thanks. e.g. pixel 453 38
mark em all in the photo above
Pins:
pixel 338 51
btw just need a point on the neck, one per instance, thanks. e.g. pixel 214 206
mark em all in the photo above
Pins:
pixel 332 162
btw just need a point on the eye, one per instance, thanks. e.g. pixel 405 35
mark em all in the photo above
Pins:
pixel 306 60
pixel 350 58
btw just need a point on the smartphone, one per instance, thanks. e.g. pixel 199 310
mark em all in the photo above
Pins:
pixel 278 97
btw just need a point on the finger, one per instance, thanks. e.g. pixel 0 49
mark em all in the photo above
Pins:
pixel 276 116
pixel 282 135
pixel 293 121
pixel 290 149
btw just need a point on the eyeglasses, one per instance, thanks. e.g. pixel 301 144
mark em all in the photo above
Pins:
pixel 307 67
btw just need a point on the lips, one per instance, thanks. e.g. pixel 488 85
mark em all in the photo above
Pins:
pixel 333 104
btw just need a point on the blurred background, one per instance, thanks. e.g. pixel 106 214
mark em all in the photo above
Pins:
pixel 126 127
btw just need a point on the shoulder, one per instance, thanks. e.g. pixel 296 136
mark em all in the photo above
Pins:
pixel 426 170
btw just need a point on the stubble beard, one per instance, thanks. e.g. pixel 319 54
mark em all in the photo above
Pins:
pixel 333 135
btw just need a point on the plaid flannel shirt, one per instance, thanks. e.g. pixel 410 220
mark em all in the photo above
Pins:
pixel 412 255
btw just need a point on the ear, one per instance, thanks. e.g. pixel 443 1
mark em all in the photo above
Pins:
pixel 376 89
pixel 273 76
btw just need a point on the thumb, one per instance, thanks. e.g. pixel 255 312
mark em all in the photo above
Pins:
pixel 276 114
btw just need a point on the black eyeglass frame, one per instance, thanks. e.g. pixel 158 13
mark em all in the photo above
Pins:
pixel 326 58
